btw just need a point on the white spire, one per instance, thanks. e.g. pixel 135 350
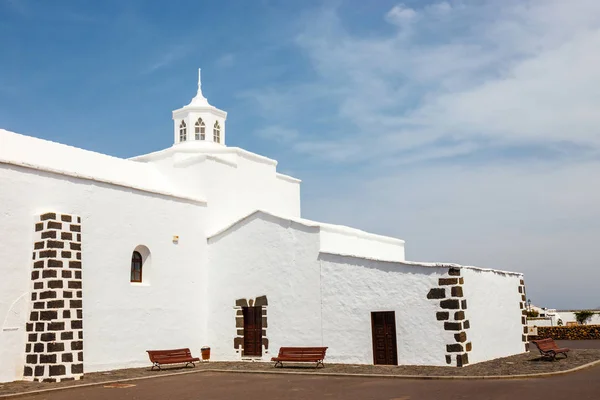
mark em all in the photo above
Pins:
pixel 199 82
pixel 199 100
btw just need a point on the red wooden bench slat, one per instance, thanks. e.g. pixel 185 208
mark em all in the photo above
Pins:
pixel 175 356
pixel 549 349
pixel 300 354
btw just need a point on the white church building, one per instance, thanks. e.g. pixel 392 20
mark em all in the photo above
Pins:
pixel 202 244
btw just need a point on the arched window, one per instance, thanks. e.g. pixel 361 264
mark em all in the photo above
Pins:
pixel 136 266
pixel 182 132
pixel 200 129
pixel 217 133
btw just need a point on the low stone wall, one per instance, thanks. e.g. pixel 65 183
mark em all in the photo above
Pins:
pixel 579 332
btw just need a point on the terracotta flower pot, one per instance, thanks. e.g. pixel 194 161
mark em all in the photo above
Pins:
pixel 205 353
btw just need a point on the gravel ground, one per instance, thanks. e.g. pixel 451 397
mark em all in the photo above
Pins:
pixel 526 363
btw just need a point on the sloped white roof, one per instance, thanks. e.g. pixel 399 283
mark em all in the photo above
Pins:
pixel 197 147
pixel 430 264
pixel 45 155
pixel 353 252
pixel 307 222
pixel 336 238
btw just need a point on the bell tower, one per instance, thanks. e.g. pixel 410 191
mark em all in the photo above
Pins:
pixel 199 123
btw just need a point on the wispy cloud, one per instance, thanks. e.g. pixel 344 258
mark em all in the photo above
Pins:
pixel 168 57
pixel 20 7
pixel 80 17
pixel 278 133
pixel 512 73
pixel 400 15
pixel 541 220
pixel 226 60
pixel 439 8
pixel 58 12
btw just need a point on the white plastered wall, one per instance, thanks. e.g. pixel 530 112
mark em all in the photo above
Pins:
pixel 121 320
pixel 264 256
pixel 235 182
pixel 318 299
pixel 494 314
pixel 352 288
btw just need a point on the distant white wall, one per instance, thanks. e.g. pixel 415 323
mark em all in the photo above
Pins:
pixel 265 255
pixel 569 316
pixel 121 320
pixel 540 322
pixel 494 314
pixel 352 288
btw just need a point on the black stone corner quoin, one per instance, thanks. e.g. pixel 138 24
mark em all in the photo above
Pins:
pixel 523 307
pixel 451 312
pixel 54 346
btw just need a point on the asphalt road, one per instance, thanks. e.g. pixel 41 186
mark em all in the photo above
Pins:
pixel 581 385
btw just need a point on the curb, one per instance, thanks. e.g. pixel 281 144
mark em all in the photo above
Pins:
pixel 139 378
pixel 415 377
pixel 332 374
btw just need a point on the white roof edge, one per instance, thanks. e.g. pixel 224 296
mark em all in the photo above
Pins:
pixel 199 158
pixel 148 155
pixel 212 151
pixel 221 160
pixel 232 224
pixel 55 143
pixel 306 222
pixel 381 259
pixel 347 230
pixel 428 264
pixel 101 180
pixel 288 178
pixel 191 107
pixel 253 156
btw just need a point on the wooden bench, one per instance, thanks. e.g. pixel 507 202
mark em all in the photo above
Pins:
pixel 176 356
pixel 300 354
pixel 548 348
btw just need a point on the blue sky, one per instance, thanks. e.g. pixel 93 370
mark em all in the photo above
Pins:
pixel 468 128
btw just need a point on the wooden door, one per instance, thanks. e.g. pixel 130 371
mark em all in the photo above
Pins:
pixel 383 325
pixel 252 331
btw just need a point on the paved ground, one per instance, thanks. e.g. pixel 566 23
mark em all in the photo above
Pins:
pixel 583 385
pixel 220 386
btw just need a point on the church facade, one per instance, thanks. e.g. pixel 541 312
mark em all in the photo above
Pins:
pixel 202 244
